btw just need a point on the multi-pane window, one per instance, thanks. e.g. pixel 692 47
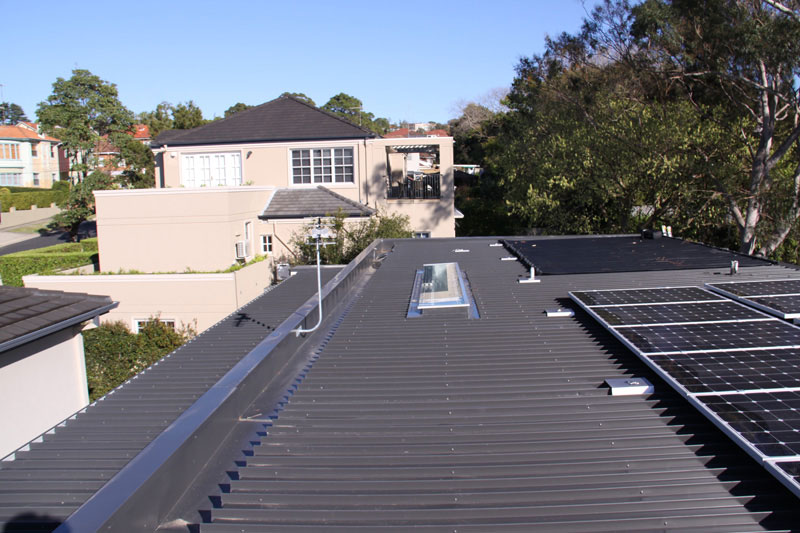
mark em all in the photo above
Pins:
pixel 322 165
pixel 34 151
pixel 206 170
pixel 139 324
pixel 10 178
pixel 266 244
pixel 36 179
pixel 9 151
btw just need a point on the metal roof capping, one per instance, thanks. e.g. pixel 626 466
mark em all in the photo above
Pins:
pixel 438 423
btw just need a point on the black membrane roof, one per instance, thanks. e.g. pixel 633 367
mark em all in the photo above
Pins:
pixel 446 423
pixel 622 254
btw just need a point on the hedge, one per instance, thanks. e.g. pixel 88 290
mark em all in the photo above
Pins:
pixel 46 260
pixel 24 200
pixel 114 354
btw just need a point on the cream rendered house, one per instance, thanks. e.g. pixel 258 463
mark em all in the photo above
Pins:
pixel 241 187
pixel 28 158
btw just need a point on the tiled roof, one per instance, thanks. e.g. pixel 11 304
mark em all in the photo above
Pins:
pixel 141 131
pixel 319 202
pixel 19 132
pixel 398 134
pixel 283 119
pixel 27 314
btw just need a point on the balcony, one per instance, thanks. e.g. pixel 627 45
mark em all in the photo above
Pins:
pixel 418 187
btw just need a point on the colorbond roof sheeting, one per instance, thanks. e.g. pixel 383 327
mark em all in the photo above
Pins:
pixel 57 475
pixel 441 423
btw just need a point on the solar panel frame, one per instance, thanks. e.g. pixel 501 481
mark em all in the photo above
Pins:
pixel 765 295
pixel 696 398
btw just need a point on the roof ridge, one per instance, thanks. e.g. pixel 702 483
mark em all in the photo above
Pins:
pixel 333 115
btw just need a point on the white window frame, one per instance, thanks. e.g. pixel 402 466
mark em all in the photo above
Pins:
pixel 266 244
pixel 140 322
pixel 211 169
pixel 325 165
pixel 422 234
pixel 248 238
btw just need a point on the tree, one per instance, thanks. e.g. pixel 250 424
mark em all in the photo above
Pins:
pixel 349 239
pixel 140 165
pixel 11 113
pixel 235 108
pixel 744 54
pixel 300 96
pixel 158 120
pixel 80 204
pixel 81 111
pixel 187 116
pixel 351 109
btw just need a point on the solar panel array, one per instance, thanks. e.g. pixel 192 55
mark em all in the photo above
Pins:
pixel 738 366
pixel 777 297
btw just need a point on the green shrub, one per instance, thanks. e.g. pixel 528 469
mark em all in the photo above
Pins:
pixel 61 185
pixel 46 260
pixel 24 200
pixel 114 354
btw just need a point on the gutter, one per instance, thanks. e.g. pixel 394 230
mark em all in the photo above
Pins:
pixel 24 339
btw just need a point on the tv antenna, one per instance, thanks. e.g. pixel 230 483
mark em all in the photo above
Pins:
pixel 318 235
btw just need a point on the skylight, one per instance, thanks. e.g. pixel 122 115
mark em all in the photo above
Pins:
pixel 438 286
pixel 442 286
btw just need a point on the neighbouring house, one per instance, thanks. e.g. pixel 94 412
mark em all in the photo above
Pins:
pixel 42 368
pixel 108 154
pixel 469 408
pixel 243 187
pixel 28 158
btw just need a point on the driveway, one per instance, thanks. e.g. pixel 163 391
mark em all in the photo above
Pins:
pixel 11 242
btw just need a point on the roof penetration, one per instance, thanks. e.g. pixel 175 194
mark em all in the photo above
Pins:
pixel 621 254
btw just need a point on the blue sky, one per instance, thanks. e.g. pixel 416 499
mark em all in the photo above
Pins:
pixel 409 60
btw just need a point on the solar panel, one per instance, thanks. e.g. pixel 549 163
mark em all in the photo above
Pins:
pixel 705 311
pixel 645 296
pixel 729 371
pixel 770 421
pixel 737 365
pixel 711 336
pixel 777 297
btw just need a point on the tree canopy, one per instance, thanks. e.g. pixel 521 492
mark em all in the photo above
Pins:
pixel 300 96
pixel 166 116
pixel 664 112
pixel 11 113
pixel 80 111
pixel 235 108
pixel 351 109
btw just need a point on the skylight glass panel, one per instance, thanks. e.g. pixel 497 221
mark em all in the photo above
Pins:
pixel 442 286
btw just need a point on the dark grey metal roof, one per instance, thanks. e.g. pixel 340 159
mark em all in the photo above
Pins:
pixel 283 119
pixel 319 202
pixel 55 476
pixel 437 423
pixel 442 423
pixel 28 314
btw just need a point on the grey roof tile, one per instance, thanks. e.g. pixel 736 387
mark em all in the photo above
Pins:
pixel 319 202
pixel 282 119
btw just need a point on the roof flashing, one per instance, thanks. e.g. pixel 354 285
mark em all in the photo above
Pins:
pixel 440 286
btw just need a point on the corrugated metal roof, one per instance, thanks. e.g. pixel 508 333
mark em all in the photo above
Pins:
pixel 55 476
pixel 441 423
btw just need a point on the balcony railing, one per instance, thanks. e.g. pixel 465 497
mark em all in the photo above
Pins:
pixel 422 187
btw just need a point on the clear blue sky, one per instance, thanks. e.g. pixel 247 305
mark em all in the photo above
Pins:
pixel 408 60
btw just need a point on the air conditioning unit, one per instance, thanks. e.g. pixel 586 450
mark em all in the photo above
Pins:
pixel 241 249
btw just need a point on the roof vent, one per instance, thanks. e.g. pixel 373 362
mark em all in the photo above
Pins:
pixel 559 312
pixel 629 386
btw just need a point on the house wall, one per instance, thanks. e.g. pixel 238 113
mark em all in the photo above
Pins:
pixel 41 383
pixel 44 164
pixel 201 300
pixel 27 165
pixel 172 230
